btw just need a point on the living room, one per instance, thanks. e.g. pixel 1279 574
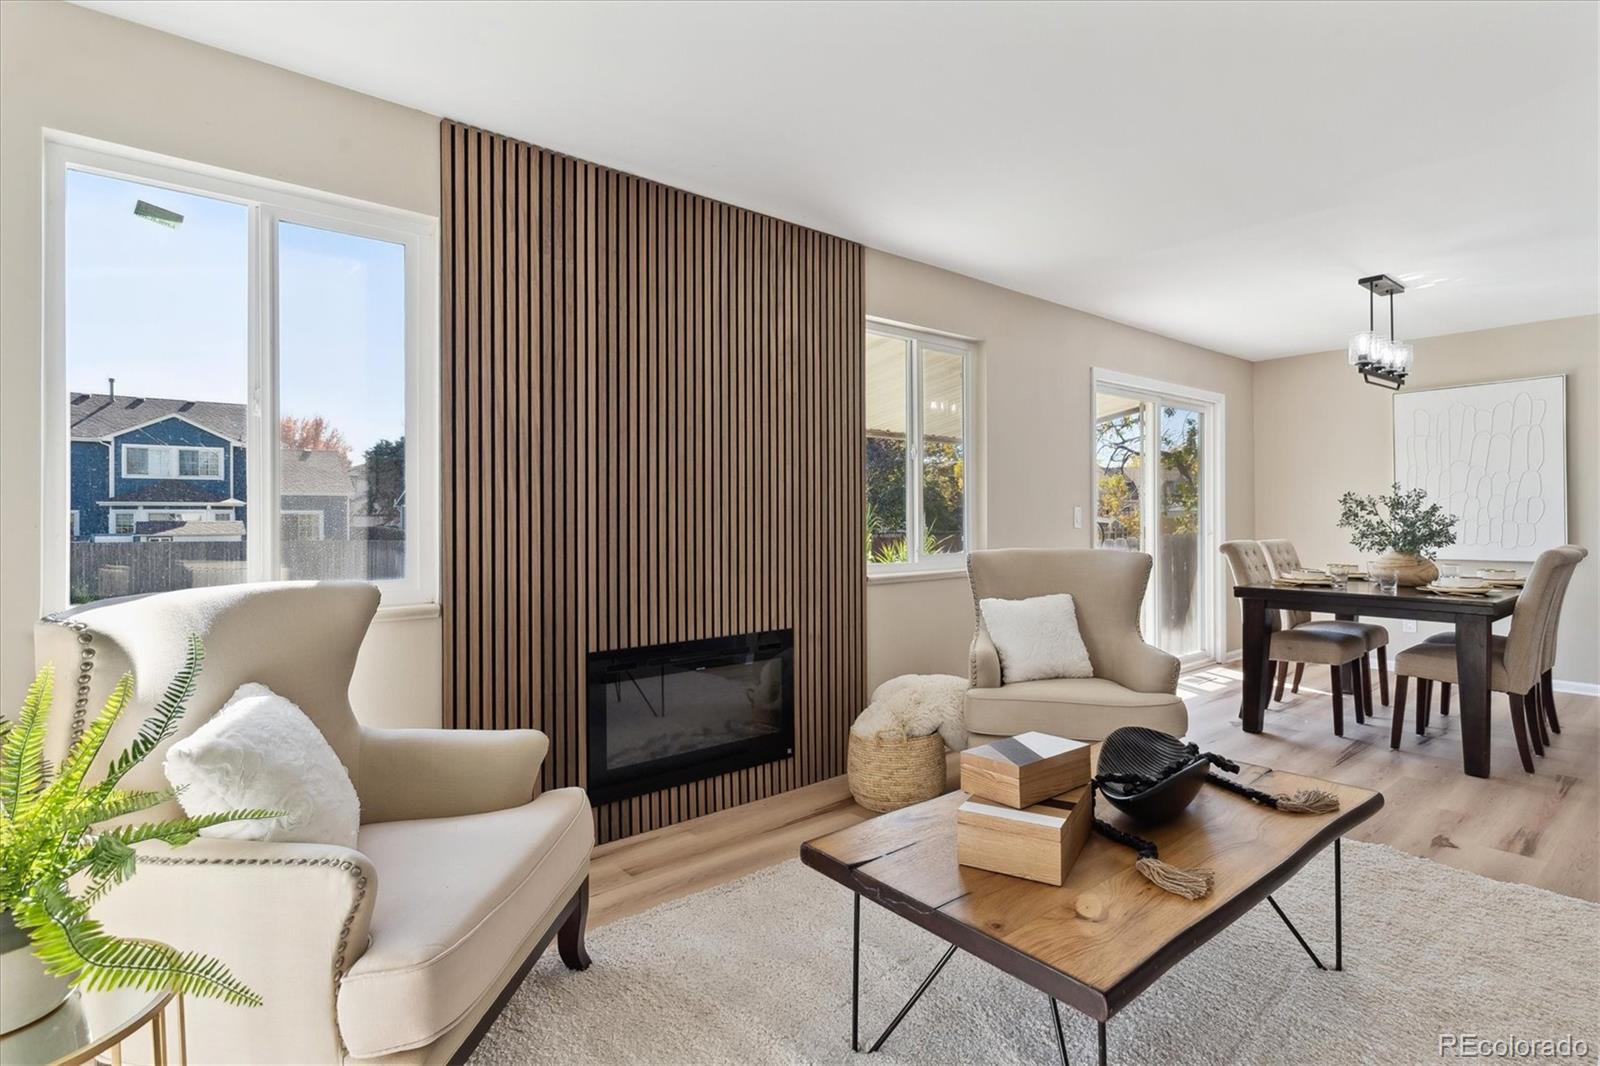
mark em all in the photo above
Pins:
pixel 632 529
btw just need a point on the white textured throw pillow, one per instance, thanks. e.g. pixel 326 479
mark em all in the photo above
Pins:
pixel 261 751
pixel 1037 638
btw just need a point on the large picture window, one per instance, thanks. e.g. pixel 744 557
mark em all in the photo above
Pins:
pixel 242 383
pixel 919 512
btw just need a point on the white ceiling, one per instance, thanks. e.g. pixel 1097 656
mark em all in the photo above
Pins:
pixel 1216 172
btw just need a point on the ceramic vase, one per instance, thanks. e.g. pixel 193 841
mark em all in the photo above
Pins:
pixel 30 993
pixel 1412 570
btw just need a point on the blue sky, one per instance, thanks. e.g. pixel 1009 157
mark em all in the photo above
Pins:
pixel 164 311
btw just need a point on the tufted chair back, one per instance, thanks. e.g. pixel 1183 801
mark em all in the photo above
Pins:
pixel 1248 561
pixel 298 638
pixel 1548 656
pixel 1282 557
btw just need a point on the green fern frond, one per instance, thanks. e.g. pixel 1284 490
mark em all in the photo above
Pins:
pixel 125 802
pixel 180 831
pixel 163 721
pixel 22 765
pixel 75 946
pixel 111 858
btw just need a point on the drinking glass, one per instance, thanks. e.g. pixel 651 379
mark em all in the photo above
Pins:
pixel 1387 578
pixel 1448 571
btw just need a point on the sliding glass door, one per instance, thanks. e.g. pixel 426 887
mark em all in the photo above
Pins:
pixel 1155 493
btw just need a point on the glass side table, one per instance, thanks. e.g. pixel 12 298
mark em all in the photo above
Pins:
pixel 90 1024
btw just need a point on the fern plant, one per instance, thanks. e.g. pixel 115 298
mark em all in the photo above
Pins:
pixel 55 865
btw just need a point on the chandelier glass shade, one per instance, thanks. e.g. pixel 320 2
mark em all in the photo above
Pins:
pixel 1381 360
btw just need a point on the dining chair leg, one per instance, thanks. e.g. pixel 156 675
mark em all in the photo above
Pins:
pixel 1519 726
pixel 1283 675
pixel 1383 674
pixel 1536 728
pixel 1366 683
pixel 1399 710
pixel 1444 699
pixel 1424 704
pixel 1338 701
pixel 1352 685
pixel 1547 689
pixel 1300 668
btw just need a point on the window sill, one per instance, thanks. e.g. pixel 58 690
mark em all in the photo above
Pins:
pixel 896 577
pixel 406 612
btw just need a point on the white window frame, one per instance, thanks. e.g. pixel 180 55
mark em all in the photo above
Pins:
pixel 916 337
pixel 268 203
pixel 175 451
pixel 132 514
pixel 318 515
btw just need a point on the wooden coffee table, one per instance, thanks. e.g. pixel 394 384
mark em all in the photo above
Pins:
pixel 1107 934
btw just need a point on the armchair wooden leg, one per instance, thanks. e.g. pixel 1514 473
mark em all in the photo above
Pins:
pixel 1547 689
pixel 569 942
pixel 1444 699
pixel 1519 726
pixel 1424 705
pixel 1399 722
pixel 1283 675
pixel 1383 674
pixel 1338 701
pixel 1299 669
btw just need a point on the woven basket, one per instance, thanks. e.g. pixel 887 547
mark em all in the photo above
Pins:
pixel 886 774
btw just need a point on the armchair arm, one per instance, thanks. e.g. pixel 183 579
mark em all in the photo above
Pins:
pixel 1142 667
pixel 287 919
pixel 983 661
pixel 439 773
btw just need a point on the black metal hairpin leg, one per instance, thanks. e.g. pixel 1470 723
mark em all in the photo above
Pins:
pixel 1061 1037
pixel 912 1002
pixel 1338 919
pixel 855 979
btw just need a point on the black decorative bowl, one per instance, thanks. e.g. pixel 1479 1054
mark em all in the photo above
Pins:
pixel 1172 773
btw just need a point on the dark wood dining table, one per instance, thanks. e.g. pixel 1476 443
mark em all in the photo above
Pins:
pixel 1473 617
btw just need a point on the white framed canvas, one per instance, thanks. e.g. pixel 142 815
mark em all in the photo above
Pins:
pixel 1495 455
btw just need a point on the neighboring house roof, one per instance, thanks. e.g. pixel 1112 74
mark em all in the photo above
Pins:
pixel 96 415
pixel 314 474
pixel 182 530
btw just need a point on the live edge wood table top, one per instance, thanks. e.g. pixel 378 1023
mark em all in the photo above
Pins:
pixel 1105 935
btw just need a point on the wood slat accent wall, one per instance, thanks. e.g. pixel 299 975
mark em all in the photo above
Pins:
pixel 653 431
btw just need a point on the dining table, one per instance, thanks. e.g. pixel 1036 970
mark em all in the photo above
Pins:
pixel 1472 616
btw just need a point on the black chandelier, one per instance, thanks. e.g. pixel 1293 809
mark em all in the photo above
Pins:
pixel 1382 361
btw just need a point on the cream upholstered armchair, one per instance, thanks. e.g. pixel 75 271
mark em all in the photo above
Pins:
pixel 1133 683
pixel 393 950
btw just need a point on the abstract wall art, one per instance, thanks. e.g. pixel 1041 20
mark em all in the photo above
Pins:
pixel 1495 455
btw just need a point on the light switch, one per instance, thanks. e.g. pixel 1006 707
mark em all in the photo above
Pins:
pixel 1077 518
pixel 1409 625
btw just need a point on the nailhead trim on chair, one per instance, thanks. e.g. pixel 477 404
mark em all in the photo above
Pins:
pixel 353 869
pixel 977 611
pixel 80 706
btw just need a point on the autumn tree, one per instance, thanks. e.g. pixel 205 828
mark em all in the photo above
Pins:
pixel 312 434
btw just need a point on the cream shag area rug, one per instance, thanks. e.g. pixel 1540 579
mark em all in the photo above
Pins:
pixel 758 971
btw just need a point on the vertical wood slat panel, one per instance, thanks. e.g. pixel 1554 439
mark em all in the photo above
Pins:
pixel 652 428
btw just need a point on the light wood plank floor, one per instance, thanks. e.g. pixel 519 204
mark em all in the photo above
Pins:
pixel 1541 829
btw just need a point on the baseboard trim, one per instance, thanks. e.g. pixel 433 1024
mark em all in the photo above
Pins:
pixel 1577 688
pixel 1232 656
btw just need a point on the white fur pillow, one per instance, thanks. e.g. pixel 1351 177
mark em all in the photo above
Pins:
pixel 261 751
pixel 1037 638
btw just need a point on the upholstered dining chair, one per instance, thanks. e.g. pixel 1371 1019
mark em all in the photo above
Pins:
pixel 1134 683
pixel 1545 696
pixel 1516 660
pixel 1283 558
pixel 392 950
pixel 1336 645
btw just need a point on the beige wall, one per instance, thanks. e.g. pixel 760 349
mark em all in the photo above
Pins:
pixel 1323 431
pixel 68 69
pixel 1034 453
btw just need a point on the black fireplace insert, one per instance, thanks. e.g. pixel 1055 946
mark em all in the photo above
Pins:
pixel 674 713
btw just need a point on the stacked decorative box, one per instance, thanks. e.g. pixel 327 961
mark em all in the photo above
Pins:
pixel 1031 808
